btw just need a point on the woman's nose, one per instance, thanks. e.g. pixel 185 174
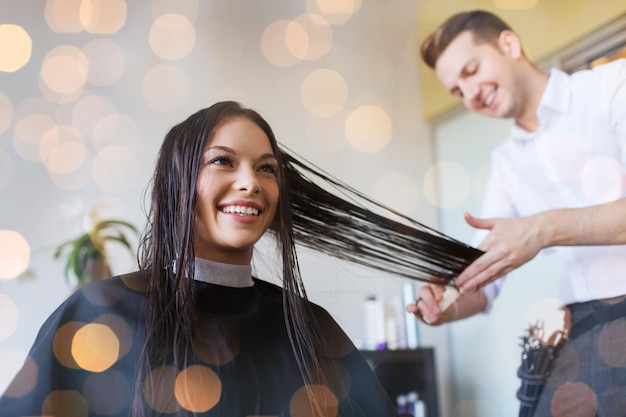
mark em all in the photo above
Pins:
pixel 247 180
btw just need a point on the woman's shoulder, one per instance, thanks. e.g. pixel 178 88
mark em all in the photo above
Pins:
pixel 110 293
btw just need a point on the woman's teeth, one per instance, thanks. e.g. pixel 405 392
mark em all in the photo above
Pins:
pixel 242 210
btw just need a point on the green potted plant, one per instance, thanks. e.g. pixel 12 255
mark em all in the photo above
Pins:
pixel 86 254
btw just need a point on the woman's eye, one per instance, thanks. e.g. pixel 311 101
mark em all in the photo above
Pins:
pixel 221 160
pixel 269 168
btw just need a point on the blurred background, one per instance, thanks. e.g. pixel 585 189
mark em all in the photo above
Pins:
pixel 89 88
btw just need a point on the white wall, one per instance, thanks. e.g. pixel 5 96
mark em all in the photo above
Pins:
pixel 375 53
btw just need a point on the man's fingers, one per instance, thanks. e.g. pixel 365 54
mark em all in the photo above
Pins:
pixel 476 268
pixel 477 223
pixel 487 276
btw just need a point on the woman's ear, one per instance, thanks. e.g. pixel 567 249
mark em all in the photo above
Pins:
pixel 510 44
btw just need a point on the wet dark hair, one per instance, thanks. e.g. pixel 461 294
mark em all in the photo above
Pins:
pixel 331 217
pixel 308 214
pixel 167 252
pixel 484 26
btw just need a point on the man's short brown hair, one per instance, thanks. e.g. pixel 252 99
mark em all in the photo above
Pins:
pixel 485 26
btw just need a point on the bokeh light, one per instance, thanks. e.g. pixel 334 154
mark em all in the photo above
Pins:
pixel 14 254
pixel 336 12
pixel 574 399
pixel 95 347
pixel 62 149
pixel 10 316
pixel 15 47
pixel 18 385
pixel 172 37
pixel 115 168
pixel 165 88
pixel 76 179
pixel 603 180
pixel 62 344
pixel 120 327
pixel 611 344
pixel 89 111
pixel 397 190
pixel 103 16
pixel 65 69
pixel 56 97
pixel 274 43
pixel 198 388
pixel 106 62
pixel 324 92
pixel 63 16
pixel 301 405
pixel 454 191
pixel 308 37
pixel 158 390
pixel 368 128
pixel 65 403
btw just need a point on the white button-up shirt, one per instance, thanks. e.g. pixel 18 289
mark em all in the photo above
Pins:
pixel 576 158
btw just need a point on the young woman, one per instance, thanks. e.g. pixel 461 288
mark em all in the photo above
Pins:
pixel 193 332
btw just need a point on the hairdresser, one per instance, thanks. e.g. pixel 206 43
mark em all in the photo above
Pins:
pixel 557 180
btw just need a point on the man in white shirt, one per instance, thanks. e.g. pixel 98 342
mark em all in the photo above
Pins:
pixel 558 180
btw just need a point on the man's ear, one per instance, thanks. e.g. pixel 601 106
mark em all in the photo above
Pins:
pixel 510 44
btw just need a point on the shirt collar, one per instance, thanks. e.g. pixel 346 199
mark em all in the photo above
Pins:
pixel 227 275
pixel 557 95
pixel 555 98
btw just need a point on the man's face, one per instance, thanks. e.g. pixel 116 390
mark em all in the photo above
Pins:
pixel 483 75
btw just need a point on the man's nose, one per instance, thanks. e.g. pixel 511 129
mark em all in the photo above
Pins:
pixel 471 93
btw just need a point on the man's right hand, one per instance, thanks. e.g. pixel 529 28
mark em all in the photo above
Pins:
pixel 426 308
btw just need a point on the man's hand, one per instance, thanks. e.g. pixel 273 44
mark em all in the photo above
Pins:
pixel 426 308
pixel 511 242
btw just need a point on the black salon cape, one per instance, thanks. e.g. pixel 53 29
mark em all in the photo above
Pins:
pixel 242 339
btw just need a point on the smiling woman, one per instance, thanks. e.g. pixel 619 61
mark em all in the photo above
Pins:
pixel 237 191
pixel 193 331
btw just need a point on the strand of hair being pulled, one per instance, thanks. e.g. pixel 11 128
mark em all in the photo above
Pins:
pixel 347 229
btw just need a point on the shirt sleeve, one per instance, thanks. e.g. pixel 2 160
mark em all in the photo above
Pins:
pixel 497 202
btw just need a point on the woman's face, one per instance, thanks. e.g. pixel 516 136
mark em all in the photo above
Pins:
pixel 237 190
